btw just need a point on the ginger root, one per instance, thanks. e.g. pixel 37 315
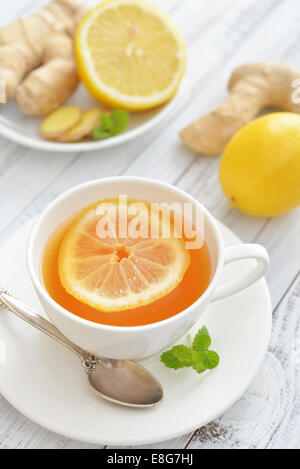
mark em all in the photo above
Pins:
pixel 59 122
pixel 40 49
pixel 252 87
pixel 84 127
pixel 70 124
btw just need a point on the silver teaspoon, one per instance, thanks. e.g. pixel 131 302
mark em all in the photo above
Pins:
pixel 123 382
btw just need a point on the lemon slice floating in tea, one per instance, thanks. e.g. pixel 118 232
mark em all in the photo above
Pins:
pixel 130 54
pixel 112 274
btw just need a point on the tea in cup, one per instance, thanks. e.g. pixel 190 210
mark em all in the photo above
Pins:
pixel 125 266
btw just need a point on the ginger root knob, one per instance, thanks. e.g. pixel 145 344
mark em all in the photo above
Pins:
pixel 37 65
pixel 252 87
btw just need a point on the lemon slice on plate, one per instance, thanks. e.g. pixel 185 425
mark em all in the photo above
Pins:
pixel 130 54
pixel 113 274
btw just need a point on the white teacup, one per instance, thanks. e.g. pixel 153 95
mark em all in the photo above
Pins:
pixel 141 341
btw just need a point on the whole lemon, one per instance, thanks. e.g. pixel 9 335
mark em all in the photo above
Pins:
pixel 260 167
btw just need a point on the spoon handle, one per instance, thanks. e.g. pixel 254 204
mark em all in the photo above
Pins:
pixel 9 302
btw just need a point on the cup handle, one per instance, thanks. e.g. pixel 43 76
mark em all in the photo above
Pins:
pixel 236 253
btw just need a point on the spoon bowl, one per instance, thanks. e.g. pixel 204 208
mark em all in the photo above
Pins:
pixel 125 380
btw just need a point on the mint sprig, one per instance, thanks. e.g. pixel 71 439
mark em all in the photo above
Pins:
pixel 111 124
pixel 196 356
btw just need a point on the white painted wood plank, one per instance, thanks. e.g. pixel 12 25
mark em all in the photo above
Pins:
pixel 285 344
pixel 281 236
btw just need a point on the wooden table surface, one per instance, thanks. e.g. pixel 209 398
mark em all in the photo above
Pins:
pixel 220 35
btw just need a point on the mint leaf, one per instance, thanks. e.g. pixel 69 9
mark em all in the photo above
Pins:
pixel 99 133
pixel 202 340
pixel 169 359
pixel 196 356
pixel 199 367
pixel 213 359
pixel 183 354
pixel 111 124
pixel 179 356
pixel 120 121
pixel 106 122
pixel 200 357
pixel 200 361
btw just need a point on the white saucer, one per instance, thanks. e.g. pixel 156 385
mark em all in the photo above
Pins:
pixel 25 130
pixel 46 383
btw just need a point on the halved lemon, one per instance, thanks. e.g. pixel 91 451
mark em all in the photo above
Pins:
pixel 130 54
pixel 113 273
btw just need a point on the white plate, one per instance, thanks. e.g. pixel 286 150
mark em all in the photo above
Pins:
pixel 25 130
pixel 46 383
